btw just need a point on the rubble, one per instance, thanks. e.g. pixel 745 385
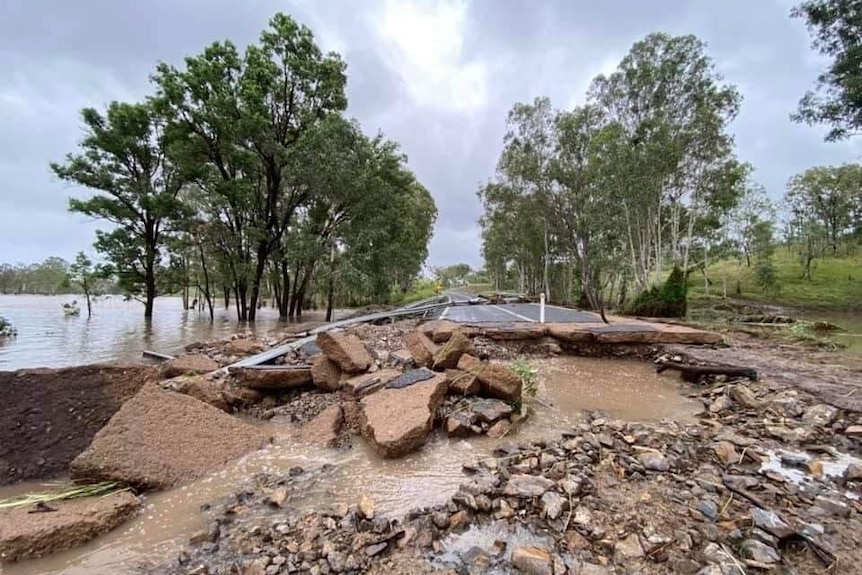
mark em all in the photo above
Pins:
pixel 159 439
pixel 324 429
pixel 421 348
pixel 275 378
pixel 497 381
pixel 189 364
pixel 398 421
pixel 346 350
pixel 450 352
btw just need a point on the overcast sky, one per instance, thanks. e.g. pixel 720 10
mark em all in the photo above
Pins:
pixel 436 76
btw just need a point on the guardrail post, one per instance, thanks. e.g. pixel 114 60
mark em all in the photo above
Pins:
pixel 542 308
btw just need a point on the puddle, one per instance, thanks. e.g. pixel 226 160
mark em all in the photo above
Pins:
pixel 793 467
pixel 495 535
pixel 624 389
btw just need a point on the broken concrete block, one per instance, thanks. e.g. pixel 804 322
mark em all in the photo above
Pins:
pixel 461 383
pixel 449 353
pixel 368 383
pixel 276 379
pixel 324 429
pixel 397 421
pixel 347 351
pixel 497 381
pixel 159 439
pixel 325 373
pixel 189 364
pixel 422 349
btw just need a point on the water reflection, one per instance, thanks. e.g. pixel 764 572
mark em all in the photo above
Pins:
pixel 116 332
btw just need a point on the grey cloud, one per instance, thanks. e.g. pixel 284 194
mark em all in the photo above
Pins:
pixel 56 57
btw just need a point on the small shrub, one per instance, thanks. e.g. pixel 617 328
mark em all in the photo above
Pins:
pixel 667 300
pixel 765 276
pixel 528 375
pixel 6 328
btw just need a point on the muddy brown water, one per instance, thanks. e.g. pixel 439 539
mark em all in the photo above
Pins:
pixel 117 331
pixel 623 389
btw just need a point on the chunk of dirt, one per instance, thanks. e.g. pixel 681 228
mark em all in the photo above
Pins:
pixel 24 535
pixel 159 439
pixel 398 421
pixel 49 416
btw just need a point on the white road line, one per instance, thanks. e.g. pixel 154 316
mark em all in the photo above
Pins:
pixel 517 315
pixel 445 311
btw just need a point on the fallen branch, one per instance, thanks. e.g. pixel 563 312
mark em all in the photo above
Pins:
pixel 694 373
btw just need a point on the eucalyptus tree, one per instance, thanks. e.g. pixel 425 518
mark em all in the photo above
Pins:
pixel 674 110
pixel 123 159
pixel 235 121
pixel 830 195
pixel 837 99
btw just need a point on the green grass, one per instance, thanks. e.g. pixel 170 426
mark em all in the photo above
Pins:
pixel 836 282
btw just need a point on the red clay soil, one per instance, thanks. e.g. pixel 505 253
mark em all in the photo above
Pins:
pixel 49 416
pixel 25 534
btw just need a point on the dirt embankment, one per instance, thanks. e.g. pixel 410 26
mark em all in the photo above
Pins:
pixel 49 416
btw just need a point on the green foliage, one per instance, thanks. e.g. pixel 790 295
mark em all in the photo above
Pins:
pixel 6 328
pixel 528 375
pixel 88 277
pixel 765 276
pixel 837 99
pixel 123 160
pixel 835 281
pixel 667 300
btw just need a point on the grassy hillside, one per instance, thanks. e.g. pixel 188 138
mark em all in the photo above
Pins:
pixel 836 283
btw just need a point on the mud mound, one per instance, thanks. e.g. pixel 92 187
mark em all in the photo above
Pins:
pixel 48 416
pixel 24 534
pixel 159 439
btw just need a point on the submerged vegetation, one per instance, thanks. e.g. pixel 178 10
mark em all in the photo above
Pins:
pixel 6 328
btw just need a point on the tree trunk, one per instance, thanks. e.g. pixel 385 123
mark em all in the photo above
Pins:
pixel 89 307
pixel 226 296
pixel 284 302
pixel 330 289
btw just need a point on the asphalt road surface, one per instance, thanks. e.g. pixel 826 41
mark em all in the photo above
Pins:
pixel 513 312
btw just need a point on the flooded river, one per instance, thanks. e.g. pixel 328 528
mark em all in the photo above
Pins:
pixel 625 389
pixel 116 332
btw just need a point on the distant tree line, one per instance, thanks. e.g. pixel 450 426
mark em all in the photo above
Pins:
pixel 240 180
pixel 54 276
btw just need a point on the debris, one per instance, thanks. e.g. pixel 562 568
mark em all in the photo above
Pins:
pixel 421 348
pixel 498 381
pixel 347 351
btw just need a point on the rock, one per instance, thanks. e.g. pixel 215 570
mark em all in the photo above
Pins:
pixel 490 410
pixel 398 421
pixel 324 428
pixel 552 505
pixel 533 560
pixel 820 414
pixel 402 358
pixel 24 535
pixel 771 523
pixel 421 348
pixel 497 381
pixel 575 541
pixel 240 397
pixel 708 509
pixel 159 439
pixel 373 550
pixel 461 383
pixel 459 425
pixel 629 548
pixel 458 519
pixel 366 507
pixel 828 506
pixel 653 461
pixel 721 403
pixel 742 395
pixel 527 486
pixel 853 472
pixel 726 452
pixel 189 364
pixel 200 388
pixel 853 431
pixel 477 558
pixel 278 497
pixel 325 373
pixel 368 383
pixel 499 429
pixel 788 406
pixel 276 378
pixel 450 352
pixel 347 351
pixel 758 551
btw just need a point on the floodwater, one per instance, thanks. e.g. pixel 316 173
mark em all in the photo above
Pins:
pixel 850 323
pixel 625 389
pixel 116 332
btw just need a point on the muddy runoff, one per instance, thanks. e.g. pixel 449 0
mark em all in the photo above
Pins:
pixel 320 477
